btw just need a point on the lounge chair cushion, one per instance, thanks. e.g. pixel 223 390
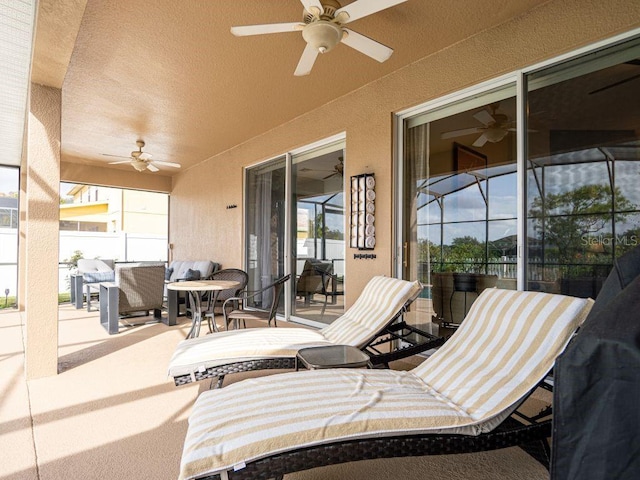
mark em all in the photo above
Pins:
pixel 239 346
pixel 508 347
pixel 96 277
pixel 507 343
pixel 380 300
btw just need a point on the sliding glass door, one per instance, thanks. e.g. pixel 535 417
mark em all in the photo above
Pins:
pixel 583 169
pixel 295 224
pixel 475 214
pixel 318 240
pixel 459 187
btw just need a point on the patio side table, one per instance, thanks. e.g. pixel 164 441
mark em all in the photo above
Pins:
pixel 332 356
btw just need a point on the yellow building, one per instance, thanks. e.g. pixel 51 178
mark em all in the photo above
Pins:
pixel 102 209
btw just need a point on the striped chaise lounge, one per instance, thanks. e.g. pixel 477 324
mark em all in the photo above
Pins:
pixel 373 315
pixel 461 399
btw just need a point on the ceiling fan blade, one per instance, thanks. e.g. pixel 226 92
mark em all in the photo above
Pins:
pixel 151 167
pixel 118 163
pixel 460 133
pixel 145 156
pixel 246 30
pixel 117 156
pixel 306 62
pixel 332 175
pixel 484 117
pixel 365 45
pixel 482 139
pixel 362 8
pixel 314 7
pixel 167 164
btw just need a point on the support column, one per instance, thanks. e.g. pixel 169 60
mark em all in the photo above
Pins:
pixel 41 232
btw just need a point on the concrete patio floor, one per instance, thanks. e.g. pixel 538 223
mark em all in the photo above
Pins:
pixel 112 413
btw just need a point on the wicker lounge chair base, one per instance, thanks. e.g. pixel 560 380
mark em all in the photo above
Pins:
pixel 218 373
pixel 533 439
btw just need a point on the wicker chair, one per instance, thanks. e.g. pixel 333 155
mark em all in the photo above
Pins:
pixel 314 279
pixel 238 309
pixel 136 289
pixel 215 302
pixel 463 398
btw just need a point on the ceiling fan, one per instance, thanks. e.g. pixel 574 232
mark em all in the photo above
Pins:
pixel 141 161
pixel 323 28
pixel 495 127
pixel 338 167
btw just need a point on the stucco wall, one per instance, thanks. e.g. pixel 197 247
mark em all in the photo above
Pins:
pixel 202 227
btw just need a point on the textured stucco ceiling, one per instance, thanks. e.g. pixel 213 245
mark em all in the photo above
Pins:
pixel 170 72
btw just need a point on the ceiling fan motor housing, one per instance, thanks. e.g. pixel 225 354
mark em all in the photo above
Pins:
pixel 329 7
pixel 322 35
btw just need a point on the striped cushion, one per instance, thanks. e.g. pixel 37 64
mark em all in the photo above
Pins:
pixel 506 344
pixel 531 329
pixel 380 300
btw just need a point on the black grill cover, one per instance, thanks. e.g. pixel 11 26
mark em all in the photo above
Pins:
pixel 596 423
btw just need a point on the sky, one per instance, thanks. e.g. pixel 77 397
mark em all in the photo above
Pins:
pixel 9 181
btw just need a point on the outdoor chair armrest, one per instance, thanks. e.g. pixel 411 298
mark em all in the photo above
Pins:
pixel 245 296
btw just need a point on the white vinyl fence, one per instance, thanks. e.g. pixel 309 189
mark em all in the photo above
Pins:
pixel 121 247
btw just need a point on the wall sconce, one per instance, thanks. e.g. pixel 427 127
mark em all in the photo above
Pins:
pixel 362 230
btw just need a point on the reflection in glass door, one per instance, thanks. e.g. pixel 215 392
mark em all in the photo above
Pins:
pixel 318 226
pixel 583 170
pixel 459 204
pixel 265 227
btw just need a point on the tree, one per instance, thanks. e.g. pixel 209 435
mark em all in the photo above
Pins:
pixel 566 221
pixel 466 251
pixel 326 233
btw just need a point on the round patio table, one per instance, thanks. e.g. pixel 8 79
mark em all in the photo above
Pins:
pixel 194 288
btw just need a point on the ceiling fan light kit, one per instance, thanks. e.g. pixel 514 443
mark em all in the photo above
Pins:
pixel 139 165
pixel 141 161
pixel 323 28
pixel 495 134
pixel 322 35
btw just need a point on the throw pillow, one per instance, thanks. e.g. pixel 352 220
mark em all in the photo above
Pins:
pixel 167 273
pixel 192 275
